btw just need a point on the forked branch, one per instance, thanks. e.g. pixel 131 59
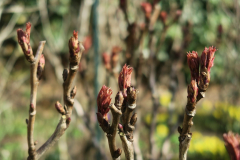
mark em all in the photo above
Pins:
pixel 125 103
pixel 75 50
pixel 37 65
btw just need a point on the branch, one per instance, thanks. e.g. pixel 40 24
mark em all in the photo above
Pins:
pixel 129 119
pixel 127 147
pixel 196 91
pixel 116 113
pixel 75 49
pixel 34 80
pixel 61 127
pixel 112 130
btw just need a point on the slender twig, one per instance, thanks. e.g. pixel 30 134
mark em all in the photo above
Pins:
pixel 125 103
pixel 68 94
pixel 129 119
pixel 34 80
pixel 116 113
pixel 111 130
pixel 196 91
pixel 37 65
pixel 127 147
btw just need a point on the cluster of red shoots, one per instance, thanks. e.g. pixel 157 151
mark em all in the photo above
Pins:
pixel 24 42
pixel 206 63
pixel 232 144
pixel 110 60
pixel 104 95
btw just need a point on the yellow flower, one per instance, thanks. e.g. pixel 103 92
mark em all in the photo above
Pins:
pixel 162 130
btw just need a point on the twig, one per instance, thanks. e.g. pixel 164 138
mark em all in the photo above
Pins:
pixel 111 130
pixel 129 119
pixel 75 49
pixel 34 80
pixel 116 113
pixel 125 103
pixel 127 147
pixel 196 91
pixel 37 66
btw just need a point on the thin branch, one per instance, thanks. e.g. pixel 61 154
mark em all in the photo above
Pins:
pixel 75 49
pixel 116 113
pixel 34 80
pixel 196 91
pixel 61 127
pixel 111 130
pixel 129 119
pixel 127 147
pixel 37 66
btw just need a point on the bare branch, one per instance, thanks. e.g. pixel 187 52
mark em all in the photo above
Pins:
pixel 75 49
pixel 116 113
pixel 37 66
pixel 61 127
pixel 111 130
pixel 129 119
pixel 127 147
pixel 34 80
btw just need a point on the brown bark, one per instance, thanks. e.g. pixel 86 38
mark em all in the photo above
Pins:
pixel 32 110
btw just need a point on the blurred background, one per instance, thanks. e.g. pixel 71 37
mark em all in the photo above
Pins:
pixel 152 38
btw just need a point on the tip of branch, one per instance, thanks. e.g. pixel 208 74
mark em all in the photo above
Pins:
pixel 119 100
pixel 74 49
pixel 131 95
pixel 28 27
pixel 75 34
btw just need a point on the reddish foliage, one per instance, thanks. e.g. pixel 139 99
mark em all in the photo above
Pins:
pixel 146 7
pixel 106 60
pixel 232 144
pixel 24 39
pixel 193 64
pixel 103 101
pixel 74 44
pixel 124 79
pixel 115 56
pixel 87 43
pixel 207 57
